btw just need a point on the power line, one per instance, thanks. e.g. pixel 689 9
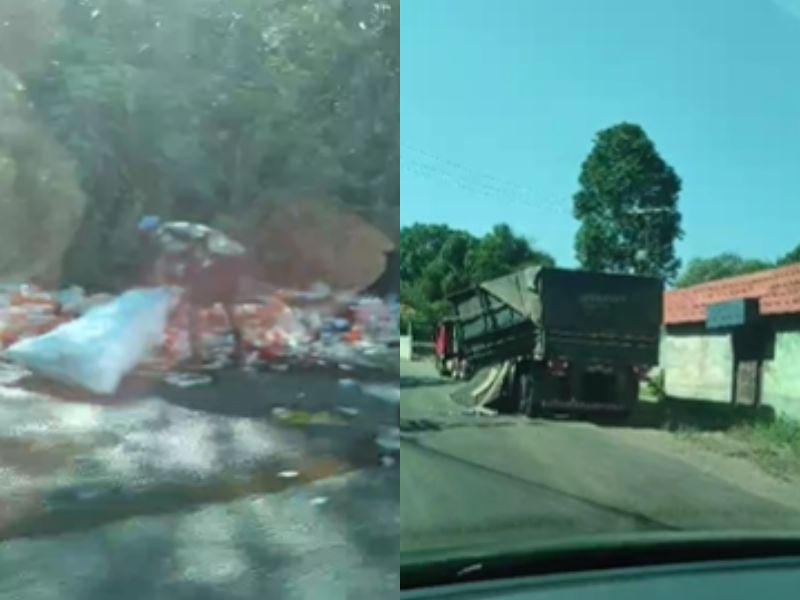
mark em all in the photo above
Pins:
pixel 430 166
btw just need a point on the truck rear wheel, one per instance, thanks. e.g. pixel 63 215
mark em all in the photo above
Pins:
pixel 529 404
pixel 441 368
pixel 628 390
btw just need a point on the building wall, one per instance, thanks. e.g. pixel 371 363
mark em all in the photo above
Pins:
pixel 781 376
pixel 405 347
pixel 697 365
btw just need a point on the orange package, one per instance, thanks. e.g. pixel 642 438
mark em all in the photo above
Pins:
pixel 353 336
pixel 38 299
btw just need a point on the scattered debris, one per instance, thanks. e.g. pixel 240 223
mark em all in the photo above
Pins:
pixel 319 501
pixel 348 410
pixel 480 411
pixel 389 439
pixel 288 474
pixel 302 418
pixel 11 374
pixel 388 393
pixel 187 380
pixel 281 331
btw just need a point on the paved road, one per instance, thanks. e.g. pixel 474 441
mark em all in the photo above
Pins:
pixel 275 485
pixel 468 480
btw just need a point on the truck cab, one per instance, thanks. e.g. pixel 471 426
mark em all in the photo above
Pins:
pixel 450 360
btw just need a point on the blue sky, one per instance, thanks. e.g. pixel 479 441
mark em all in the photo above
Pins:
pixel 501 99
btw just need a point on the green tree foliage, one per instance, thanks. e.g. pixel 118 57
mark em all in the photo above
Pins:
pixel 436 260
pixel 202 109
pixel 501 251
pixel 627 206
pixel 702 270
pixel 790 258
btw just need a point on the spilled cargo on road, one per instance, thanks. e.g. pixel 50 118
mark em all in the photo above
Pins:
pixel 93 342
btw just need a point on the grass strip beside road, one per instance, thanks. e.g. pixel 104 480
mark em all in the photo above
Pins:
pixel 775 446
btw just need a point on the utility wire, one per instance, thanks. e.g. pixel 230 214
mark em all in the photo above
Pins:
pixel 436 168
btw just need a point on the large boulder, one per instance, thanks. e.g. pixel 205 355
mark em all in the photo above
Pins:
pixel 299 242
pixel 41 201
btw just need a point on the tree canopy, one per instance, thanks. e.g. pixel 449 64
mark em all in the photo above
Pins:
pixel 703 270
pixel 436 260
pixel 790 258
pixel 627 206
pixel 203 109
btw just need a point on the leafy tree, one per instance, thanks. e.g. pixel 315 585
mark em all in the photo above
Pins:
pixel 790 257
pixel 437 260
pixel 202 109
pixel 420 245
pixel 627 205
pixel 702 270
pixel 500 252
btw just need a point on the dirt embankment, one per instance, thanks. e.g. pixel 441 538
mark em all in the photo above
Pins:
pixel 297 242
pixel 41 201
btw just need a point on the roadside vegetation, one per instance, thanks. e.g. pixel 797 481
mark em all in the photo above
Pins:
pixel 775 445
pixel 756 435
pixel 222 111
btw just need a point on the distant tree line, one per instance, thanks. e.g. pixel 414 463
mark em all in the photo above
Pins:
pixel 437 260
pixel 729 264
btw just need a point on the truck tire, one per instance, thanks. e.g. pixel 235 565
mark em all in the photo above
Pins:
pixel 627 396
pixel 629 391
pixel 529 404
pixel 441 369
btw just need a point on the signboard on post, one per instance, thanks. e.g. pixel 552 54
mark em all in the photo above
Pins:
pixel 735 313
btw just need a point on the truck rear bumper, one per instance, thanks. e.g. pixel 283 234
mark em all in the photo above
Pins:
pixel 576 407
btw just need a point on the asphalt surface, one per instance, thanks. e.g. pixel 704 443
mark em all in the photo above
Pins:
pixel 257 485
pixel 466 481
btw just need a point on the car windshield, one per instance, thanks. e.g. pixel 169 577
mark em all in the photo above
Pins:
pixel 600 288
pixel 199 208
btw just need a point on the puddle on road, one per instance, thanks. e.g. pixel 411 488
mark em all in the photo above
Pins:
pixel 34 458
pixel 85 507
pixel 358 439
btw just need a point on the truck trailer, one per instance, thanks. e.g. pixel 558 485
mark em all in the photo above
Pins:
pixel 566 340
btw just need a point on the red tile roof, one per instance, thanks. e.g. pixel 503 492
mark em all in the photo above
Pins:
pixel 777 290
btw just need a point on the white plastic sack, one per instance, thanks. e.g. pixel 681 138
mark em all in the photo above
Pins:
pixel 97 350
pixel 71 299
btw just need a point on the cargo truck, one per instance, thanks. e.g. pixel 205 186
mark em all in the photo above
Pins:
pixel 567 340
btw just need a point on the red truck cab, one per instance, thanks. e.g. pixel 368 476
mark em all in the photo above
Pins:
pixel 449 358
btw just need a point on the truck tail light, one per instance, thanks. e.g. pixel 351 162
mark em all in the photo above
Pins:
pixel 557 367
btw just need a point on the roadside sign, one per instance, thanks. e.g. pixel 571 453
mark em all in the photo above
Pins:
pixel 735 313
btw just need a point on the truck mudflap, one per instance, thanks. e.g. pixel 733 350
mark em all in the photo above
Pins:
pixel 490 388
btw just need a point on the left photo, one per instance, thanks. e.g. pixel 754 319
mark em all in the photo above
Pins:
pixel 199 281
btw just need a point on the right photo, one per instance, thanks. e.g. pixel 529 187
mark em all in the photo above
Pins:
pixel 600 299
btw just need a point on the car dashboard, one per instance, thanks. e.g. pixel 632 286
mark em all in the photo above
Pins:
pixel 776 579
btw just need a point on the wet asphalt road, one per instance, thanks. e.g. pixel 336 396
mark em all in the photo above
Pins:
pixel 467 481
pixel 272 485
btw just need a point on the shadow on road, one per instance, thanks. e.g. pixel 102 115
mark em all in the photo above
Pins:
pixel 414 382
pixel 426 425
